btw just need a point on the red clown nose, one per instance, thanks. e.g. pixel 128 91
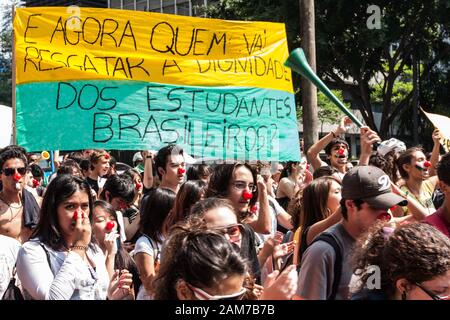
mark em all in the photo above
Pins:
pixel 110 225
pixel 35 183
pixel 307 166
pixel 138 186
pixel 247 195
pixel 181 171
pixel 122 206
pixel 341 151
pixel 75 215
pixel 17 176
pixel 427 164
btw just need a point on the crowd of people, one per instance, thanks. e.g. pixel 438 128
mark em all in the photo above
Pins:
pixel 317 229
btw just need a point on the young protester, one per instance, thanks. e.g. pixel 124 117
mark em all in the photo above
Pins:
pixel 170 167
pixel 314 210
pixel 61 261
pixel 119 191
pixel 220 214
pixel 414 170
pixel 148 247
pixel 238 183
pixel 131 214
pixel 19 209
pixel 199 172
pixel 189 194
pixel 106 231
pixel 99 166
pixel 325 271
pixel 413 262
pixel 336 149
pixel 440 219
pixel 289 183
pixel 201 264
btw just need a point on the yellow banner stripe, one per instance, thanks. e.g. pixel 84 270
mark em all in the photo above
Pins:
pixel 61 44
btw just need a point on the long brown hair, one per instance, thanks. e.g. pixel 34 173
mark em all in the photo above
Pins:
pixel 310 204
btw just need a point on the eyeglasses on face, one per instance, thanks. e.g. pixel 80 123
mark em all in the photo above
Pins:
pixel 202 295
pixel 241 185
pixel 11 171
pixel 234 231
pixel 431 294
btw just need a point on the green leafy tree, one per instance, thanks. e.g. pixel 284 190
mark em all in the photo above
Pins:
pixel 350 55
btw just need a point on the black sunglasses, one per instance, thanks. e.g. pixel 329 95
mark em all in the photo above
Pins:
pixel 429 293
pixel 11 171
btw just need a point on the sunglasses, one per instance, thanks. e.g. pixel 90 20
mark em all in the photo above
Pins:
pixel 10 171
pixel 431 294
pixel 234 231
pixel 202 295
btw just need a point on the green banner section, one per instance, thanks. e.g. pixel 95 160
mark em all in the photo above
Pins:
pixel 236 123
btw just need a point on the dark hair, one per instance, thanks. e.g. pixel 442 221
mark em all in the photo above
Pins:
pixel 314 198
pixel 36 171
pixel 122 259
pixel 220 181
pixel 287 169
pixel 416 251
pixel 386 163
pixel 324 171
pixel 76 156
pixel 120 186
pixel 201 257
pixel 154 212
pixel 357 202
pixel 12 152
pixel 197 172
pixel 334 142
pixel 85 164
pixel 190 193
pixel 68 167
pixel 443 169
pixel 59 190
pixel 132 172
pixel 163 156
pixel 404 158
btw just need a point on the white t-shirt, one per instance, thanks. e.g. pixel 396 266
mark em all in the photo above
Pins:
pixel 9 248
pixel 152 248
pixel 68 277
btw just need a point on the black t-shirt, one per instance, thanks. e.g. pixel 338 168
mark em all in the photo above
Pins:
pixel 93 183
pixel 248 251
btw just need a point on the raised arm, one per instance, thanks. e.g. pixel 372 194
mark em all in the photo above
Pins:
pixel 367 137
pixel 313 152
pixel 148 169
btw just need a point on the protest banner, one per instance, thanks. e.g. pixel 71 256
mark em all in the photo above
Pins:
pixel 443 124
pixel 119 79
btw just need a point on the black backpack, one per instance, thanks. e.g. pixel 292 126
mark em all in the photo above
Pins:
pixel 328 238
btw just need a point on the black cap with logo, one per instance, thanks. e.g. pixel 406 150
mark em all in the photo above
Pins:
pixel 372 185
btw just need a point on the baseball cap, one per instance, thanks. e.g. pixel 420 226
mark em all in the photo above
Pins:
pixel 372 185
pixel 389 145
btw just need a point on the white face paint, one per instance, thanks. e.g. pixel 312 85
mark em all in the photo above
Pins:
pixel 384 182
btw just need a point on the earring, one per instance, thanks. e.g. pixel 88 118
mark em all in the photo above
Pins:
pixel 404 295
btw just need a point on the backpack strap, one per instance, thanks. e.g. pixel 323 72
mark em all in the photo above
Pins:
pixel 328 238
pixel 48 257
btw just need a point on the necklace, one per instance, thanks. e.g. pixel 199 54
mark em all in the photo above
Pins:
pixel 11 207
